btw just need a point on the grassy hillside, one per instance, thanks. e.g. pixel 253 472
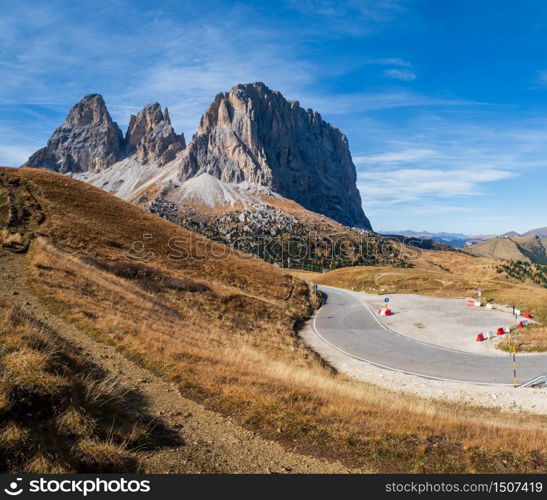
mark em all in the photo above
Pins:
pixel 497 248
pixel 533 248
pixel 525 248
pixel 222 330
pixel 58 412
pixel 524 271
pixel 540 231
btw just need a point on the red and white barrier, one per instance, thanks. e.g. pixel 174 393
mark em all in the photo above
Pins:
pixel 384 312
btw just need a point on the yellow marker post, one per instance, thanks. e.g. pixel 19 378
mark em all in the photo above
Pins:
pixel 513 351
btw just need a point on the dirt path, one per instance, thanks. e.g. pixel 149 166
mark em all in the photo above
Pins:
pixel 212 443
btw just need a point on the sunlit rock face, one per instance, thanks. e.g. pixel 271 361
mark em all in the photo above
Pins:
pixel 88 141
pixel 253 134
pixel 151 138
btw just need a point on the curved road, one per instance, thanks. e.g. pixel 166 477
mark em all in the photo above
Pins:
pixel 347 324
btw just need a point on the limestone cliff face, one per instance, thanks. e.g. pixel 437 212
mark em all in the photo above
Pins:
pixel 253 134
pixel 88 141
pixel 150 137
pixel 250 134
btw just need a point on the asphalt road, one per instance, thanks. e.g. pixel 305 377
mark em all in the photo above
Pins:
pixel 347 324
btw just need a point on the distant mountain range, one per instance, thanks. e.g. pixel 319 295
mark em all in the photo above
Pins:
pixel 540 231
pixel 457 240
pixel 461 240
pixel 530 246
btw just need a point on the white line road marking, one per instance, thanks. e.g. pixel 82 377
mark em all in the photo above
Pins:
pixel 430 377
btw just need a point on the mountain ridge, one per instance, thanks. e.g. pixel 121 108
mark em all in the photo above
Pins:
pixel 462 240
pixel 253 134
pixel 89 141
pixel 530 248
pixel 250 137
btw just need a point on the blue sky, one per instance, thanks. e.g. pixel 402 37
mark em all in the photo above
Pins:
pixel 444 103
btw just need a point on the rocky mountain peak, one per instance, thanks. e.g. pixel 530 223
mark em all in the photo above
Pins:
pixel 253 134
pixel 250 135
pixel 90 110
pixel 88 140
pixel 151 138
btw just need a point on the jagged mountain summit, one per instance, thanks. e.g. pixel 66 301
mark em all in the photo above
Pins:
pixel 252 145
pixel 150 137
pixel 253 134
pixel 90 141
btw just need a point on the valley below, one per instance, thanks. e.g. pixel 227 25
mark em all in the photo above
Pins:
pixel 207 357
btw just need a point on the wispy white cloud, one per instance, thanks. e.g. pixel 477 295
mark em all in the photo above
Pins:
pixel 541 77
pixel 410 184
pixel 419 209
pixel 347 104
pixel 182 65
pixel 400 74
pixel 212 63
pixel 396 157
pixel 435 141
pixel 17 142
pixel 351 17
pixel 388 61
pixel 436 165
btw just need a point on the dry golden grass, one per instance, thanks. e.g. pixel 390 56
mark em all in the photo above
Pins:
pixel 229 343
pixel 100 454
pixel 265 378
pixel 12 436
pixel 28 368
pixel 87 221
pixel 497 248
pixel 74 422
pixel 44 463
pixel 53 400
pixel 532 338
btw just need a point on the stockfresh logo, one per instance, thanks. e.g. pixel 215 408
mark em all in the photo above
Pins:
pixel 14 488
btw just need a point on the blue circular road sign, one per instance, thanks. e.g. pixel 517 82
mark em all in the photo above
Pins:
pixel 386 300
